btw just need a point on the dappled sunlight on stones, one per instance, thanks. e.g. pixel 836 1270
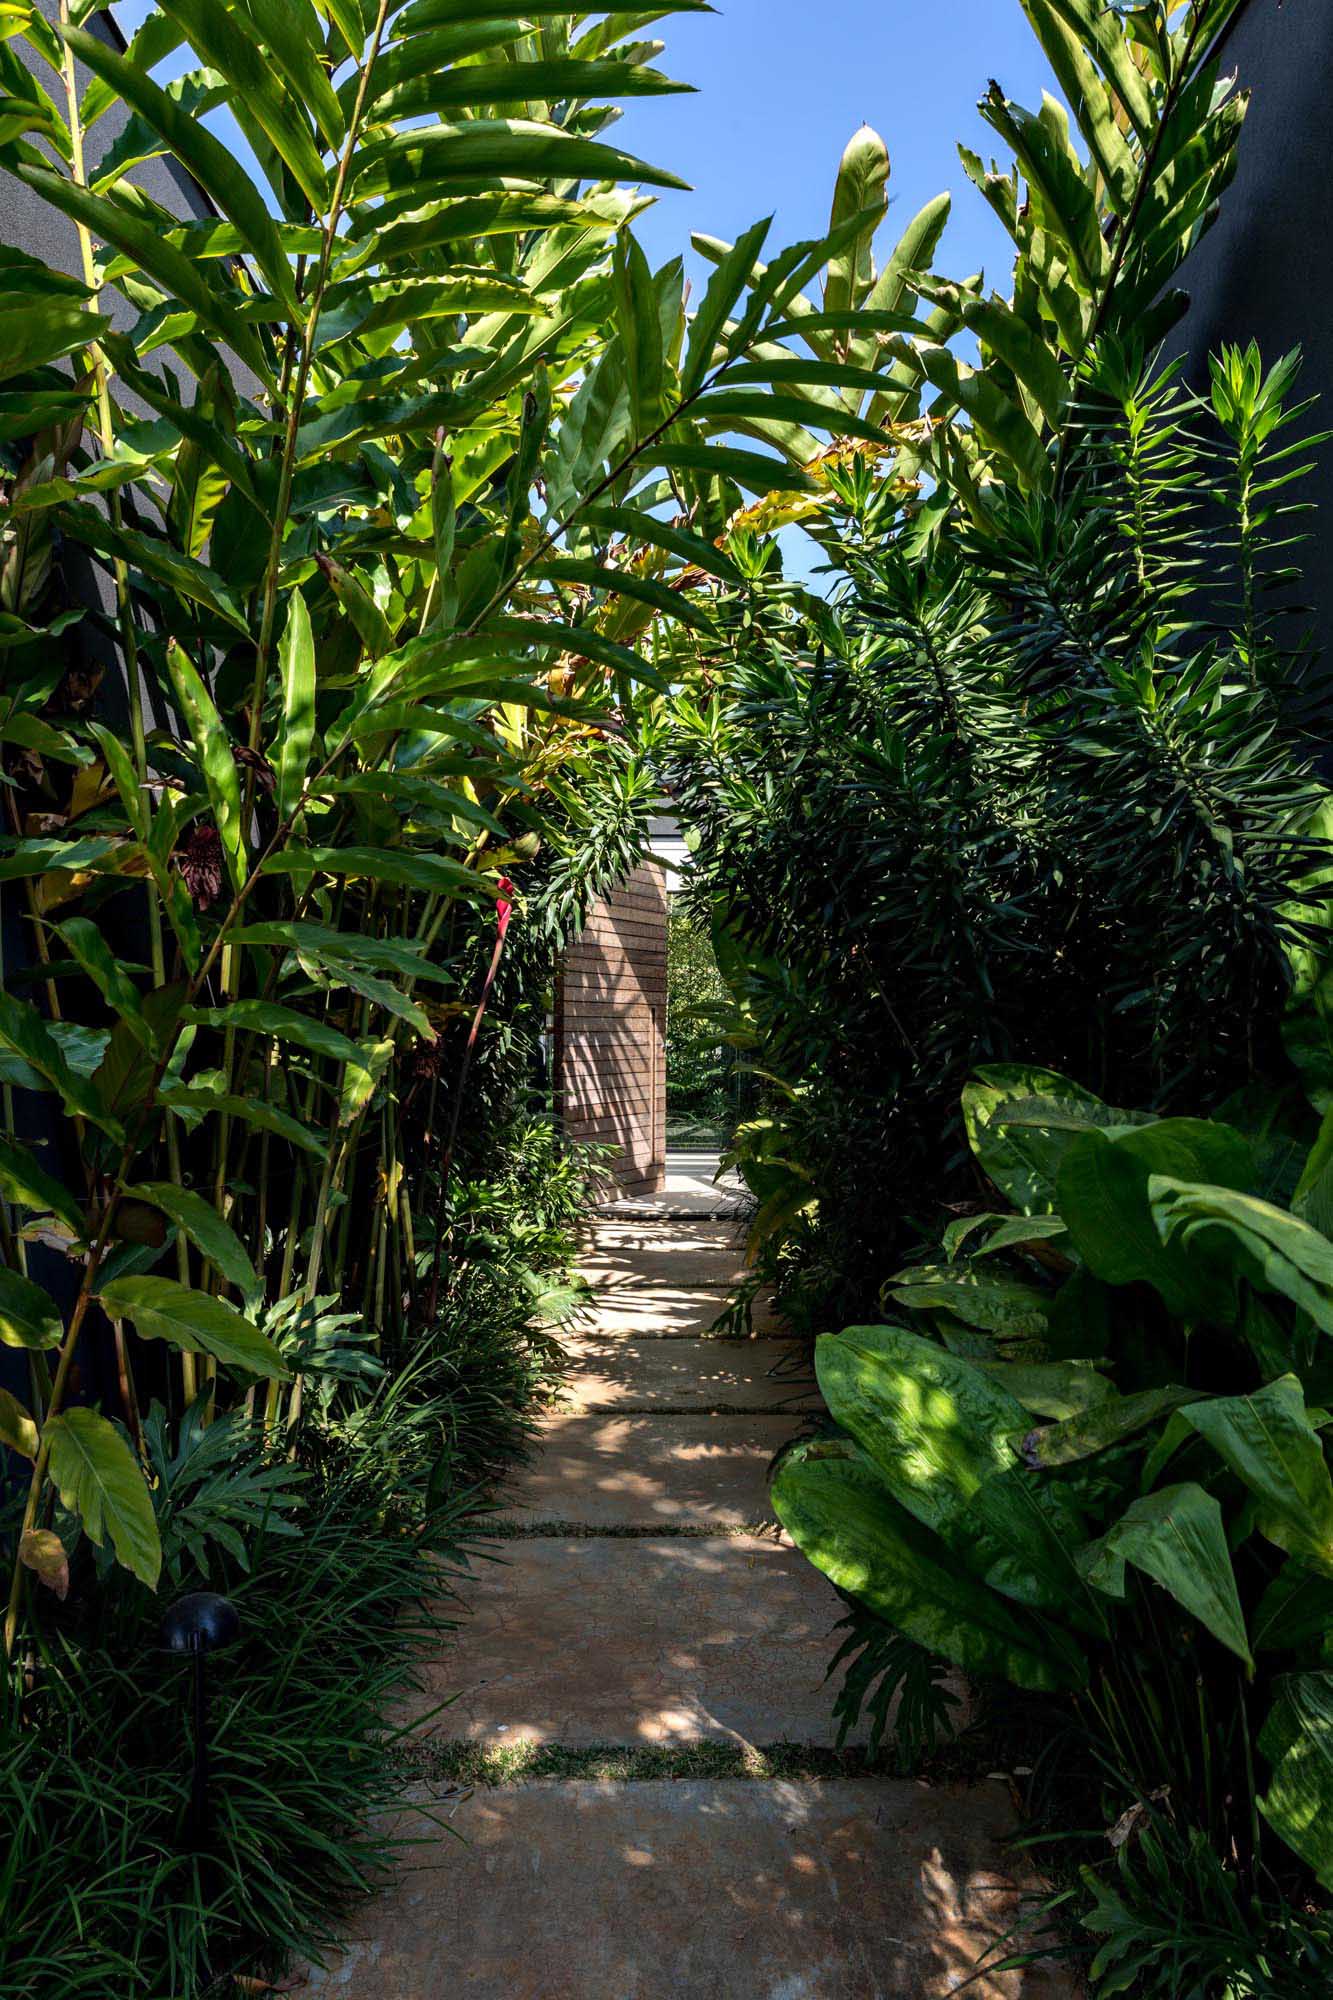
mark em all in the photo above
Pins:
pixel 615 1471
pixel 869 1889
pixel 650 1640
pixel 629 1374
pixel 630 1606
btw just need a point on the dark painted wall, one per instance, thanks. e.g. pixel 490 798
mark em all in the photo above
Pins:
pixel 1265 270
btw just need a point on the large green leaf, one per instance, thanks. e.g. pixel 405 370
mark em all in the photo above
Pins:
pixel 259 97
pixel 1271 1445
pixel 213 164
pixel 95 956
pixel 206 1229
pixel 284 1024
pixel 934 1427
pixel 639 325
pixel 23 1181
pixel 1010 1159
pixel 195 1104
pixel 162 1309
pixel 432 872
pixel 861 191
pixel 213 749
pixel 296 667
pixel 23 1030
pixel 981 1297
pixel 1177 1537
pixel 113 222
pixel 17 1429
pixel 838 1511
pixel 1273 1249
pixel 1102 1190
pixel 494 149
pixel 96 1476
pixel 29 1317
pixel 724 288
pixel 1109 1420
pixel 1297 1740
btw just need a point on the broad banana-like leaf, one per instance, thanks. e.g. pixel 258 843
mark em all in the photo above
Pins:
pixel 1269 1442
pixel 1275 1250
pixel 861 190
pixel 1103 1191
pixel 840 1514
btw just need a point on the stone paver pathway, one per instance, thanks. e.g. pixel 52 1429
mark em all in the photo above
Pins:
pixel 646 1600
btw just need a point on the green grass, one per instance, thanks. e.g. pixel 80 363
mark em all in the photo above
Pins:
pixel 508 1764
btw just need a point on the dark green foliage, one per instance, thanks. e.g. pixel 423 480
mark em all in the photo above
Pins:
pixel 101 1898
pixel 700 1079
pixel 1005 800
pixel 1085 1456
pixel 898 1686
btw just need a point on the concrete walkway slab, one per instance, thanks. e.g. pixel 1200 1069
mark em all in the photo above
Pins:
pixel 718 1266
pixel 613 1472
pixel 616 1371
pixel 865 1889
pixel 692 1188
pixel 684 1236
pixel 635 1641
pixel 660 1312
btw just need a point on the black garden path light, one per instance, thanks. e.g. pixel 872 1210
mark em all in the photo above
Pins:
pixel 199 1624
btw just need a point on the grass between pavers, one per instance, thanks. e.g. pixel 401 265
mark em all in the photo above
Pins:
pixel 969 1759
pixel 687 1409
pixel 526 1531
pixel 513 1763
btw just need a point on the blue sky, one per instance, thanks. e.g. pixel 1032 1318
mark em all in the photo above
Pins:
pixel 780 87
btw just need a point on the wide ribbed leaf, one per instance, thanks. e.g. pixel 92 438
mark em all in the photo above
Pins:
pixel 934 1427
pixel 1177 1537
pixel 162 1309
pixel 95 1474
pixel 206 1229
pixel 1297 1740
pixel 1269 1442
pixel 837 1510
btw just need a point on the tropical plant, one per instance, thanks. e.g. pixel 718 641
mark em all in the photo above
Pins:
pixel 371 459
pixel 1035 783
pixel 1089 1459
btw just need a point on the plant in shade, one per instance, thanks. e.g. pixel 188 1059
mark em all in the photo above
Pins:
pixel 1087 1457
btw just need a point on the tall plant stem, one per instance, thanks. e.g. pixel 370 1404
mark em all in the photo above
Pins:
pixel 455 1114
pixel 296 400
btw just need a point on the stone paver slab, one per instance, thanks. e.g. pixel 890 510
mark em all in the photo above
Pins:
pixel 679 1639
pixel 610 1471
pixel 617 1371
pixel 665 1313
pixel 644 1267
pixel 866 1889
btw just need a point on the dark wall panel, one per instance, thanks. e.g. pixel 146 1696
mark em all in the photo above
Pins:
pixel 1265 270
